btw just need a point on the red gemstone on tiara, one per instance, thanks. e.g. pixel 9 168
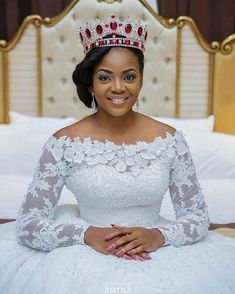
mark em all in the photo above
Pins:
pixel 99 29
pixel 126 42
pixel 92 45
pixel 114 41
pixel 140 31
pixel 88 33
pixel 81 37
pixel 113 25
pixel 113 15
pixel 128 28
pixel 136 44
pixel 120 24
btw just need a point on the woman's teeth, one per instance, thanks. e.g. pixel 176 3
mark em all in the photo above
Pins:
pixel 117 100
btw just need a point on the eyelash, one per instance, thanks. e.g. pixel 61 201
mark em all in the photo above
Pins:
pixel 104 78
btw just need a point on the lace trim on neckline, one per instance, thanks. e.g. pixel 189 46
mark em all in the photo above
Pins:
pixel 126 157
pixel 88 140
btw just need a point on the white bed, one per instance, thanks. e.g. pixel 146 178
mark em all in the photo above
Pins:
pixel 182 79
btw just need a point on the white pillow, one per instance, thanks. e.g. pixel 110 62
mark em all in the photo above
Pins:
pixel 213 154
pixel 219 196
pixel 203 124
pixel 22 142
pixel 40 123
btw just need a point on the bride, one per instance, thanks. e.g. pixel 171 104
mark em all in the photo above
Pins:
pixel 119 164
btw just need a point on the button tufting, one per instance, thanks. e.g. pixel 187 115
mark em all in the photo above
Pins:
pixel 74 60
pixel 155 80
pixel 64 80
pixel 62 39
pixel 143 99
pixel 155 39
pixel 167 59
pixel 75 99
pixel 51 99
pixel 49 59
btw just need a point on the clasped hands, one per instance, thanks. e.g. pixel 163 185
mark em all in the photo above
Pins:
pixel 124 242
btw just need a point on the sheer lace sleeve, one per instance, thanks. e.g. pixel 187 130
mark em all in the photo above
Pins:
pixel 192 219
pixel 36 227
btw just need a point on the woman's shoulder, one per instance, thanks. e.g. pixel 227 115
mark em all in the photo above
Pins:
pixel 147 129
pixel 78 129
pixel 155 128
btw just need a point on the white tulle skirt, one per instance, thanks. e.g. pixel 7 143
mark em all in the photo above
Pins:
pixel 205 267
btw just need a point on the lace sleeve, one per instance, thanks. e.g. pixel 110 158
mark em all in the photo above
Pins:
pixel 192 219
pixel 36 227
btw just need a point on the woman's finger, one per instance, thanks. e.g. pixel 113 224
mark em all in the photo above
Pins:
pixel 120 242
pixel 136 250
pixel 130 246
pixel 144 255
pixel 118 232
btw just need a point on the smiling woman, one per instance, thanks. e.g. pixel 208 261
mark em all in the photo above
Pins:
pixel 119 188
pixel 97 67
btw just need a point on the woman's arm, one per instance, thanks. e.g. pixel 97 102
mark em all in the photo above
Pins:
pixel 36 227
pixel 192 219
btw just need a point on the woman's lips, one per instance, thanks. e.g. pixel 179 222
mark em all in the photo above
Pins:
pixel 117 100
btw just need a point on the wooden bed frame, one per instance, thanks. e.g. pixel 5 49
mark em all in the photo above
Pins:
pixel 184 75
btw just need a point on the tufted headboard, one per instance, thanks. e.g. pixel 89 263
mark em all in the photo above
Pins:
pixel 184 75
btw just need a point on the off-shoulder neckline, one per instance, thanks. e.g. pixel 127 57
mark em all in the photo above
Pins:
pixel 107 141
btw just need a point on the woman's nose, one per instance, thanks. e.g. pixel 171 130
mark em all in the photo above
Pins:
pixel 118 86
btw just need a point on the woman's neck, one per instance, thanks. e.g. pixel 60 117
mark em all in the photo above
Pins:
pixel 119 125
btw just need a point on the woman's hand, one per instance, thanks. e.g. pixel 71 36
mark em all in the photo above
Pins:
pixel 95 237
pixel 134 240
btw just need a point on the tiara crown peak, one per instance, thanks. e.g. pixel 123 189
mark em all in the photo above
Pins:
pixel 126 33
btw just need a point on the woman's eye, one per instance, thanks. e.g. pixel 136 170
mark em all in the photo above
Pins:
pixel 130 77
pixel 103 78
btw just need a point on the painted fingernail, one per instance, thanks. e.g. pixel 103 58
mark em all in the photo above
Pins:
pixel 110 247
pixel 119 252
pixel 127 257
pixel 148 257
pixel 108 237
pixel 141 258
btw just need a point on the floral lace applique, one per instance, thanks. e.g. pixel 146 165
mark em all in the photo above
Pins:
pixel 133 158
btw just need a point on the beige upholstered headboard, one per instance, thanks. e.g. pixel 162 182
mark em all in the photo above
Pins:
pixel 184 75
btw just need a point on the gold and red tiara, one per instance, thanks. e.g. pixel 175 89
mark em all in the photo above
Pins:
pixel 133 33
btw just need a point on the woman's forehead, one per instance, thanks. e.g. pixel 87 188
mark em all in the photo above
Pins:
pixel 119 58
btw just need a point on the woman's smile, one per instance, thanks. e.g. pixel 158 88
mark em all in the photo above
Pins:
pixel 117 99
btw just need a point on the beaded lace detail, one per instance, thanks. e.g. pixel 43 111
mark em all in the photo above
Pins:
pixel 63 159
pixel 125 157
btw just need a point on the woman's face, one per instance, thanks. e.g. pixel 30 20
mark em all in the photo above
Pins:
pixel 117 81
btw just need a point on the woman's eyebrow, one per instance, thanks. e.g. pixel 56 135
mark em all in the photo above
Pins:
pixel 109 71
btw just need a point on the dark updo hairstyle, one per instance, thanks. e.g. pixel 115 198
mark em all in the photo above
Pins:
pixel 83 73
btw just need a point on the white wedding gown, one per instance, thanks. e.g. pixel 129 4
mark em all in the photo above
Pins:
pixel 121 184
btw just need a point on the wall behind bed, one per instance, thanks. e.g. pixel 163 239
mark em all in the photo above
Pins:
pixel 182 73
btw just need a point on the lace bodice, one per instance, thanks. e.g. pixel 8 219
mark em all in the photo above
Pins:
pixel 123 184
